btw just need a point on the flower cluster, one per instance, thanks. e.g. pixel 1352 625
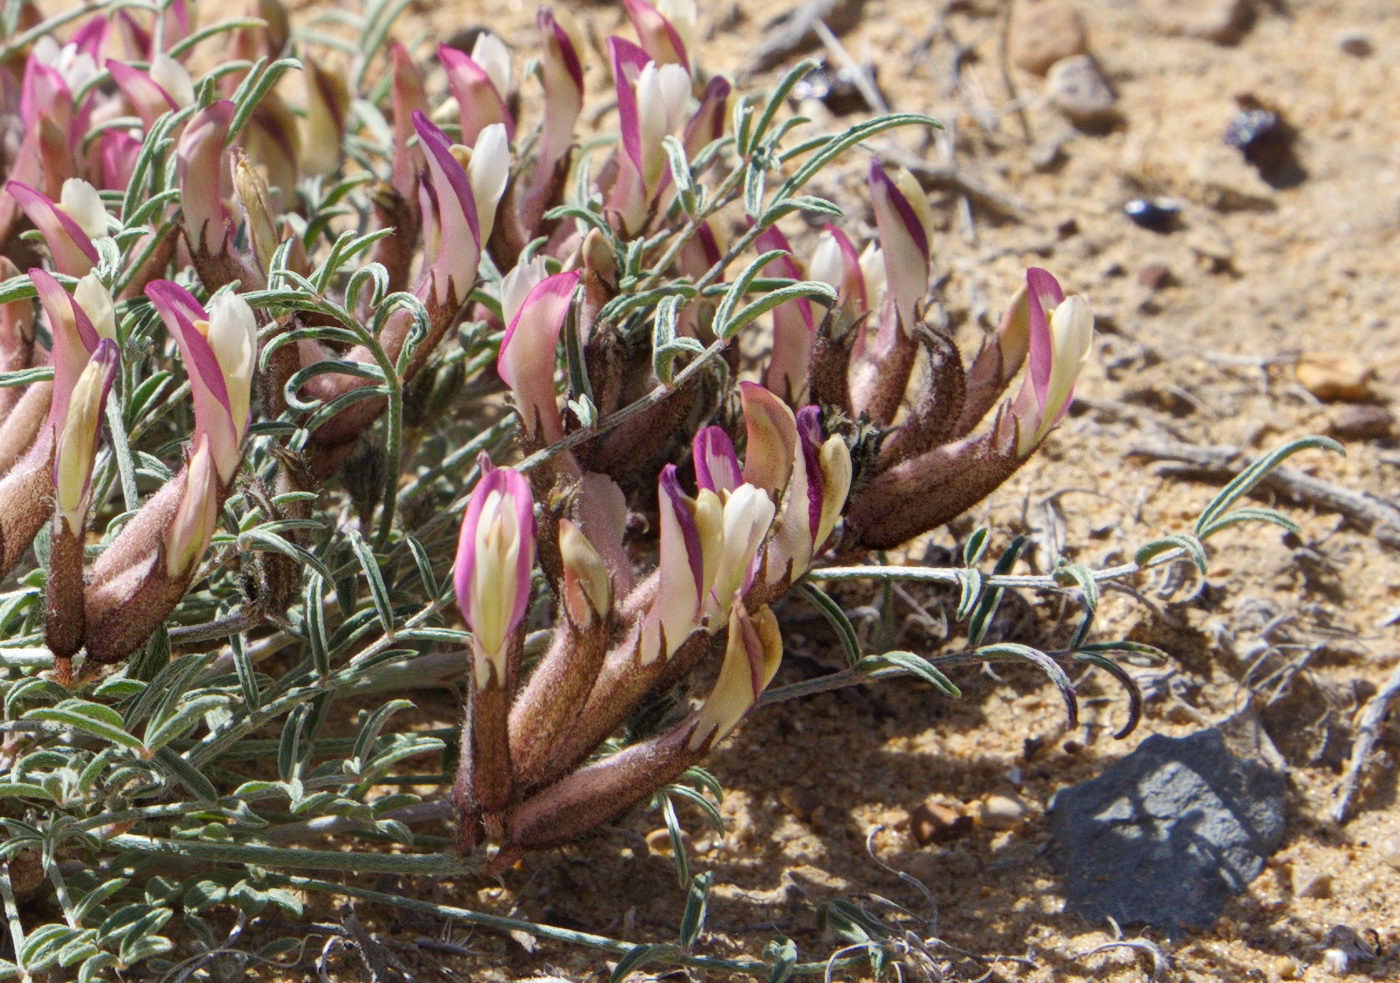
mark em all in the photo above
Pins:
pixel 672 489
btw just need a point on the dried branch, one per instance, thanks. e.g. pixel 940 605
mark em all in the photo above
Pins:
pixel 1367 733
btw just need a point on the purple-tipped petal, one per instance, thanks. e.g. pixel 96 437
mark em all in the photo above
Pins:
pixel 90 38
pixel 74 339
pixel 563 90
pixel 659 37
pixel 794 325
pixel 707 125
pixel 459 233
pixel 526 361
pixel 904 242
pixel 73 252
pixel 679 535
pixel 119 151
pixel 495 555
pixel 1042 292
pixel 478 101
pixel 213 411
pixel 716 464
pixel 809 444
pixel 628 60
pixel 146 96
pixel 201 172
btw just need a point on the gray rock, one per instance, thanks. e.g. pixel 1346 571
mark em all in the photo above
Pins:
pixel 1078 89
pixel 1165 835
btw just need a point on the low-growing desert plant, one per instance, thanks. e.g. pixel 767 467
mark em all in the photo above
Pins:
pixel 308 308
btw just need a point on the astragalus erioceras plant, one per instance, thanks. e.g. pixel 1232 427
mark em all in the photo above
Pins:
pixel 355 252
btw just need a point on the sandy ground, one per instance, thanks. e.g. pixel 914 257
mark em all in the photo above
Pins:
pixel 1257 277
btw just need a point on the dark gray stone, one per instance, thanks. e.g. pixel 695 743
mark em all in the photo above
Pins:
pixel 1165 835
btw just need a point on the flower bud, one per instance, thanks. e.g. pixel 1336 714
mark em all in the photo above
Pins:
pixel 219 348
pixel 76 437
pixel 480 82
pixel 793 327
pixel 527 357
pixel 409 97
pixel 563 90
pixel 835 261
pixel 192 525
pixel 200 168
pixel 495 554
pixel 454 256
pixel 901 213
pixel 327 108
pixel 254 199
pixel 1059 349
pixel 587 589
pixel 707 125
pixel 660 38
pixel 119 151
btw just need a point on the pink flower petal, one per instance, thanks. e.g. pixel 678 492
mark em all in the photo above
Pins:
pixel 526 361
pixel 478 102
pixel 73 252
pixel 1042 291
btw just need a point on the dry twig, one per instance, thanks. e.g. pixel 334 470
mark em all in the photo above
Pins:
pixel 793 32
pixel 1367 732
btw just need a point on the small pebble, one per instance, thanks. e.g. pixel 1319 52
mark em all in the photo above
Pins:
pixel 1155 276
pixel 659 843
pixel 1286 968
pixel 1334 377
pixel 1078 89
pixel 1311 884
pixel 1048 155
pixel 1041 32
pixel 1355 43
pixel 1069 227
pixel 1001 812
pixel 1156 216
pixel 836 89
pixel 1361 421
pixel 1221 21
pixel 1260 135
pixel 1390 852
pixel 934 822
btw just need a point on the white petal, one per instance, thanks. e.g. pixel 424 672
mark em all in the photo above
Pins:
pixel 233 334
pixel 492 55
pixel 84 205
pixel 488 172
pixel 96 302
pixel 517 284
pixel 171 76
